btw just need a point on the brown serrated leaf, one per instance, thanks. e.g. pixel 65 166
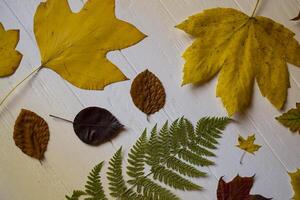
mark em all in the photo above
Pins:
pixel 31 134
pixel 148 93
pixel 94 125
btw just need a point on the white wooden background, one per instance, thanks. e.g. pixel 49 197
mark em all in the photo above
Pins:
pixel 68 160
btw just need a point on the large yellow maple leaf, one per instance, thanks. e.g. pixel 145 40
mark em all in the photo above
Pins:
pixel 75 44
pixel 241 48
pixel 9 57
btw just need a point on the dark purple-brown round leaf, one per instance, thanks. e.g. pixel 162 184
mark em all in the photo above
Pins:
pixel 94 125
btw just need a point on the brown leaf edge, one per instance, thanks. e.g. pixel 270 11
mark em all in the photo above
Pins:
pixel 31 134
pixel 258 197
pixel 147 92
pixel 296 18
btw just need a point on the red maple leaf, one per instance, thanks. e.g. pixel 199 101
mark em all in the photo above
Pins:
pixel 237 189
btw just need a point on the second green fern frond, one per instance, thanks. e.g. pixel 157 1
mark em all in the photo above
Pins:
pixel 168 157
pixel 93 187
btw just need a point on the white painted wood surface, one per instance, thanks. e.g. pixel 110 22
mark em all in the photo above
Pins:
pixel 68 160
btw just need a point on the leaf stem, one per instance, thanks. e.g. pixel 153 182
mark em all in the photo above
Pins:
pixel 66 120
pixel 16 86
pixel 242 157
pixel 255 8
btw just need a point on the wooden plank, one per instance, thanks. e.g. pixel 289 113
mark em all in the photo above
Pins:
pixel 164 32
pixel 161 53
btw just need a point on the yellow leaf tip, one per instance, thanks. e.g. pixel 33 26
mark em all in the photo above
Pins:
pixel 184 83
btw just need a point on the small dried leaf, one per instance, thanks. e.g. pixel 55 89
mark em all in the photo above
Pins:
pixel 148 93
pixel 291 119
pixel 248 144
pixel 296 18
pixel 237 189
pixel 94 125
pixel 31 134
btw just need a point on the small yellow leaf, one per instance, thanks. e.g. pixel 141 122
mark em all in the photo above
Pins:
pixel 9 57
pixel 248 144
pixel 241 49
pixel 75 45
pixel 295 181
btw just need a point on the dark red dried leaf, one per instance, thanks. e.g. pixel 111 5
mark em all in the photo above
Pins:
pixel 258 197
pixel 237 189
pixel 94 125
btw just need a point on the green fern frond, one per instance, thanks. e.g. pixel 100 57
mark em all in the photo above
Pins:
pixel 200 150
pixel 184 168
pixel 93 187
pixel 194 158
pixel 135 170
pixel 154 191
pixel 190 129
pixel 173 179
pixel 172 153
pixel 209 129
pixel 181 132
pixel 164 140
pixel 173 127
pixel 174 136
pixel 117 185
pixel 136 157
pixel 211 125
pixel 155 150
pixel 210 138
pixel 178 133
pixel 205 143
pixel 76 194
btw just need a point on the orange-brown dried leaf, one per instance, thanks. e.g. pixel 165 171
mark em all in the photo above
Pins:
pixel 148 93
pixel 31 134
